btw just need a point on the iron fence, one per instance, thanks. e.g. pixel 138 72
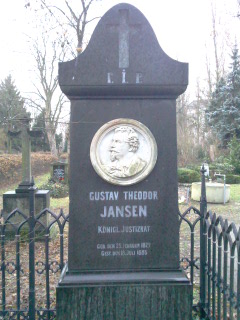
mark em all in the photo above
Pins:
pixel 33 255
pixel 20 242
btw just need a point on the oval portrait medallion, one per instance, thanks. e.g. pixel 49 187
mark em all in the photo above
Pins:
pixel 123 152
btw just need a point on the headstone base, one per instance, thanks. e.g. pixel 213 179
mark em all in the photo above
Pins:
pixel 116 296
pixel 23 187
pixel 13 200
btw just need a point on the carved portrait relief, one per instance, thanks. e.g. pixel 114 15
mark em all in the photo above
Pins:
pixel 123 151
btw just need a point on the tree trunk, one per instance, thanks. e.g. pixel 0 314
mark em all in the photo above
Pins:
pixel 51 140
pixel 9 145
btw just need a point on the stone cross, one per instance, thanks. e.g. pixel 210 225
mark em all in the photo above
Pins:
pixel 26 135
pixel 124 30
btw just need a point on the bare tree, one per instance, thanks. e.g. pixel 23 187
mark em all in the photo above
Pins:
pixel 199 106
pixel 218 47
pixel 209 77
pixel 61 26
pixel 185 139
pixel 46 97
pixel 69 18
pixel 215 66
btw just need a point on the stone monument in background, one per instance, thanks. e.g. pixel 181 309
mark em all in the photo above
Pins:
pixel 19 198
pixel 123 258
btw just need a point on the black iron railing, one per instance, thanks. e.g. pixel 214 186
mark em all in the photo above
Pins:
pixel 222 268
pixel 34 251
pixel 23 277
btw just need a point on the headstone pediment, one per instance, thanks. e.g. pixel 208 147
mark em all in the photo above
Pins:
pixel 123 57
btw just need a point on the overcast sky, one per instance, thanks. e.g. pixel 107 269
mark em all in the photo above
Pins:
pixel 183 29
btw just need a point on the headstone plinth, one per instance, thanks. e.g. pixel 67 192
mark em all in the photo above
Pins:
pixel 116 296
pixel 124 225
pixel 20 200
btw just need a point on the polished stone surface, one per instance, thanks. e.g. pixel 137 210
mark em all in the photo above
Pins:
pixel 98 70
pixel 123 74
pixel 91 217
pixel 142 296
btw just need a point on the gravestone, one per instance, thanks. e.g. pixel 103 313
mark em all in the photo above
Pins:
pixel 123 258
pixel 19 198
pixel 59 171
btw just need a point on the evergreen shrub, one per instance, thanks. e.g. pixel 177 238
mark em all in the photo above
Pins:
pixel 232 179
pixel 57 189
pixel 188 176
pixel 234 156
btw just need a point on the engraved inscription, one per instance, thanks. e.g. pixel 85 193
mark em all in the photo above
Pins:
pixel 124 76
pixel 110 77
pixel 139 77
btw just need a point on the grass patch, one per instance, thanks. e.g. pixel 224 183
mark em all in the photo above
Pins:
pixel 55 203
pixel 42 179
pixel 38 181
pixel 235 192
pixel 60 203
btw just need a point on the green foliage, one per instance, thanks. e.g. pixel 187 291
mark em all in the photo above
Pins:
pixel 188 176
pixel 65 148
pixel 195 167
pixel 11 108
pixel 58 189
pixel 232 179
pixel 3 139
pixel 230 162
pixel 223 112
pixel 222 165
pixel 235 192
pixel 234 154
pixel 59 139
pixel 42 143
pixel 201 154
pixel 195 316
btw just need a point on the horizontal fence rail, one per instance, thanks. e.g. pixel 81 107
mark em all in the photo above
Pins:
pixel 33 253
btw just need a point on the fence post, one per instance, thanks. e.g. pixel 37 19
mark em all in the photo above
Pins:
pixel 31 220
pixel 3 269
pixel 203 244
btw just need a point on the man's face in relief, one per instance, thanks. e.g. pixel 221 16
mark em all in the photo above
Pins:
pixel 119 147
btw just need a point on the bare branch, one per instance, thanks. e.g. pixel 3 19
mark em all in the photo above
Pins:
pixel 47 54
pixel 71 11
pixel 92 19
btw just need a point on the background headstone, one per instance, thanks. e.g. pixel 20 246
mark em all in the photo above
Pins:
pixel 59 171
pixel 19 198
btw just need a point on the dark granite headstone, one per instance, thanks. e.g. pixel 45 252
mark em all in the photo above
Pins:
pixel 123 77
